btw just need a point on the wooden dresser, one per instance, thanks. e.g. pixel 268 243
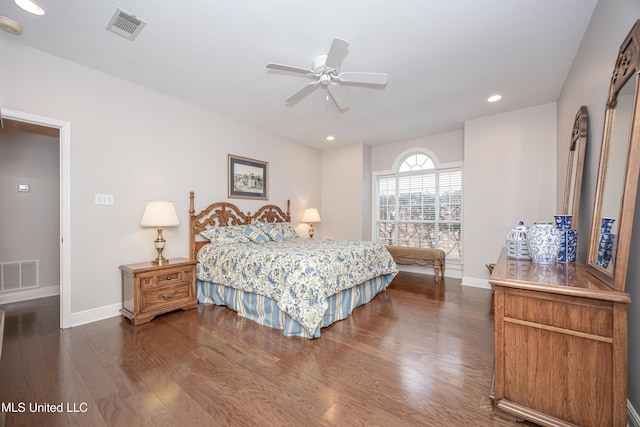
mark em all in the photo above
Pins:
pixel 560 345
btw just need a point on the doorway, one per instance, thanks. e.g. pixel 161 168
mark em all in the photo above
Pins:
pixel 64 134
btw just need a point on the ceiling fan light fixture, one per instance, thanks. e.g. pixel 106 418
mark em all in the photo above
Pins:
pixel 325 71
pixel 494 98
pixel 30 6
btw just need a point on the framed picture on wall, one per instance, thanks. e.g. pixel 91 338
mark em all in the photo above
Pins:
pixel 248 178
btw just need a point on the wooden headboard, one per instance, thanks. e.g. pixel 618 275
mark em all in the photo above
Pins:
pixel 222 214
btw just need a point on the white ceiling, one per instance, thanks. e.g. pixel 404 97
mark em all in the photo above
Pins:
pixel 443 57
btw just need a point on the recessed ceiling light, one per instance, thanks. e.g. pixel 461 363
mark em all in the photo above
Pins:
pixel 494 98
pixel 10 26
pixel 330 138
pixel 30 6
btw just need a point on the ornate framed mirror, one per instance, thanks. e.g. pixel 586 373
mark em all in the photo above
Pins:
pixel 575 167
pixel 617 184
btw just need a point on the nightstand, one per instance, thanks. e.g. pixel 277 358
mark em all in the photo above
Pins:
pixel 150 289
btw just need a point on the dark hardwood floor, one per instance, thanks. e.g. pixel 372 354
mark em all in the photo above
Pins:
pixel 419 354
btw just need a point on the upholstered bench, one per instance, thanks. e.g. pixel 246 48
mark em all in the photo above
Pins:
pixel 421 256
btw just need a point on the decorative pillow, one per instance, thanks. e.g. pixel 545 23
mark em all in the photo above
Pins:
pixel 256 234
pixel 271 232
pixel 226 235
pixel 285 229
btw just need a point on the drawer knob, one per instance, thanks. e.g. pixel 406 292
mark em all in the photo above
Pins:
pixel 166 297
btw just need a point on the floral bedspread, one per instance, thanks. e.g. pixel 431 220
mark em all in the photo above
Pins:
pixel 297 273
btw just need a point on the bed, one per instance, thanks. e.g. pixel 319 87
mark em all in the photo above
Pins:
pixel 257 265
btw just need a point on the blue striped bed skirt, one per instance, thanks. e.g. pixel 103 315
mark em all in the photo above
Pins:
pixel 265 310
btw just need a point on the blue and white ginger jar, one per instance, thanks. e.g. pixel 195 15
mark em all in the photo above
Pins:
pixel 544 241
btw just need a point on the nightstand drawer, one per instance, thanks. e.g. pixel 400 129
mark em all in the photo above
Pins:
pixel 166 278
pixel 168 295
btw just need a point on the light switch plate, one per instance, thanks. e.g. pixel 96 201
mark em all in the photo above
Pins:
pixel 104 199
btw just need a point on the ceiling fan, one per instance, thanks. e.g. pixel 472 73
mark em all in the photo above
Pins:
pixel 325 71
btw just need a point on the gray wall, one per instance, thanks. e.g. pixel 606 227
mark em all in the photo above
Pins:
pixel 30 222
pixel 588 84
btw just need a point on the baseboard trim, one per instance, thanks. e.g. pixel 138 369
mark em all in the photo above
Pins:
pixel 95 314
pixel 28 294
pixel 633 420
pixel 475 283
pixel 454 272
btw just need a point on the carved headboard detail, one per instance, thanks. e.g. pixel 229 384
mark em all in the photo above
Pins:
pixel 223 214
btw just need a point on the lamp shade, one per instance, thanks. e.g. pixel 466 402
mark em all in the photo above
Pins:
pixel 159 214
pixel 311 215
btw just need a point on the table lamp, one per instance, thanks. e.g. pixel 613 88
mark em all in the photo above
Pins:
pixel 310 216
pixel 159 214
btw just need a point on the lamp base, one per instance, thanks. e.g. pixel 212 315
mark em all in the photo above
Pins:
pixel 160 243
pixel 160 261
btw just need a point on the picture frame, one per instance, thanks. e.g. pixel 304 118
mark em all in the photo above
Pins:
pixel 247 178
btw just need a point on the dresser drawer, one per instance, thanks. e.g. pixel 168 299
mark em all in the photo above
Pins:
pixel 165 278
pixel 159 297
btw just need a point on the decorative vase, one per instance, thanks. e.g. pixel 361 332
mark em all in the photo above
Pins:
pixel 568 239
pixel 563 222
pixel 517 242
pixel 607 224
pixel 544 242
pixel 607 242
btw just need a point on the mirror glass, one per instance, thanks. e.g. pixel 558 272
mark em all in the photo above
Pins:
pixel 618 172
pixel 575 167
pixel 614 176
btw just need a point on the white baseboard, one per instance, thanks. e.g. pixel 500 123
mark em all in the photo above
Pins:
pixel 452 271
pixel 28 294
pixel 476 283
pixel 95 314
pixel 633 420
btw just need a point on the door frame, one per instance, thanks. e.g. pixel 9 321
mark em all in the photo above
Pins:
pixel 64 129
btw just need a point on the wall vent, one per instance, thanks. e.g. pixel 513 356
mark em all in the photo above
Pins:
pixel 125 24
pixel 18 275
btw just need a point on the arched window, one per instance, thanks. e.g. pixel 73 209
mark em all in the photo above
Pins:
pixel 416 161
pixel 420 205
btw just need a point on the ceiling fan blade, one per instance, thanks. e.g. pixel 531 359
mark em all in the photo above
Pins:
pixel 337 52
pixel 306 90
pixel 338 96
pixel 364 78
pixel 289 68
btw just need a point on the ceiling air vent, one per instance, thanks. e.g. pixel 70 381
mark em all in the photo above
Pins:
pixel 125 24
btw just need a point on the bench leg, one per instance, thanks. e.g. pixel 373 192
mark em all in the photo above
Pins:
pixel 438 268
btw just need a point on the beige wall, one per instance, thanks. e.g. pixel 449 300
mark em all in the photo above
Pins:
pixel 448 147
pixel 140 145
pixel 345 206
pixel 30 221
pixel 588 84
pixel 509 176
